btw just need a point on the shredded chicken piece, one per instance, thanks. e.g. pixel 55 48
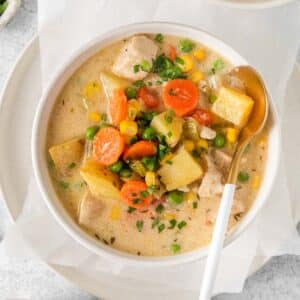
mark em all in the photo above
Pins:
pixel 207 133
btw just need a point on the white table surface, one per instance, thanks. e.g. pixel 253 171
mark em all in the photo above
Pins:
pixel 279 279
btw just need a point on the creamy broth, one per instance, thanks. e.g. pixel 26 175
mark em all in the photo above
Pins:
pixel 78 106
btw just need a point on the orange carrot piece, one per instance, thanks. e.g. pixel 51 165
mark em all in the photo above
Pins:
pixel 134 193
pixel 149 98
pixel 181 95
pixel 108 146
pixel 118 107
pixel 140 149
pixel 172 53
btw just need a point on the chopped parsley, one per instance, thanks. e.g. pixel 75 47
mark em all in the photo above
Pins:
pixel 218 65
pixel 173 223
pixel 155 222
pixel 144 194
pixel 159 38
pixel 139 83
pixel 169 162
pixel 159 208
pixel 166 69
pixel 139 225
pixel 161 228
pixel 151 189
pixel 64 185
pixel 130 209
pixel 212 98
pixel 104 117
pixel 136 68
pixel 72 165
pixel 136 201
pixel 175 248
pixel 169 134
pixel 195 205
pixel 186 45
pixel 181 224
pixel 243 176
pixel 146 66
pixel 169 116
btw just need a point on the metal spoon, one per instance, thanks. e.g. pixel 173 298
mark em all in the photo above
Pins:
pixel 254 88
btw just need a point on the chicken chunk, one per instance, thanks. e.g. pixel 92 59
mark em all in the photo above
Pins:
pixel 222 160
pixel 136 50
pixel 211 184
pixel 89 209
pixel 207 133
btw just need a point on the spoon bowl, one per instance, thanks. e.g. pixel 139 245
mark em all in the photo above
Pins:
pixel 255 88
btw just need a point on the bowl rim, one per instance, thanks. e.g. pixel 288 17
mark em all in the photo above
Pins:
pixel 263 4
pixel 40 126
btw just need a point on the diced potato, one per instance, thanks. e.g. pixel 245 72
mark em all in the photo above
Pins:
pixel 233 106
pixel 183 170
pixel 67 156
pixel 171 130
pixel 112 82
pixel 101 182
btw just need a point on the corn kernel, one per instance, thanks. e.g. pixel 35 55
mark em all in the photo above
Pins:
pixel 196 76
pixel 95 117
pixel 115 213
pixel 232 134
pixel 91 89
pixel 188 63
pixel 134 107
pixel 128 127
pixel 255 182
pixel 169 216
pixel 202 144
pixel 189 145
pixel 199 54
pixel 190 197
pixel 150 178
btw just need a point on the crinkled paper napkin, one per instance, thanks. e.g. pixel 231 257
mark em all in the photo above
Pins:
pixel 269 40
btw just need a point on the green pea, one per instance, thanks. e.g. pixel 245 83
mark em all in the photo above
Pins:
pixel 148 134
pixel 175 197
pixel 131 92
pixel 219 141
pixel 150 163
pixel 243 176
pixel 186 45
pixel 125 173
pixel 91 132
pixel 116 167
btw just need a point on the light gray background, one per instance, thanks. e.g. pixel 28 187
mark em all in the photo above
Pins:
pixel 278 280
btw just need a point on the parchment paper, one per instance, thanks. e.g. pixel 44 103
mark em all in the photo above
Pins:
pixel 269 40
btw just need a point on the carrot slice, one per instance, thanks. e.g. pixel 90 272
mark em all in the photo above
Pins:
pixel 140 149
pixel 108 146
pixel 181 95
pixel 118 106
pixel 134 193
pixel 149 97
pixel 172 53
pixel 203 117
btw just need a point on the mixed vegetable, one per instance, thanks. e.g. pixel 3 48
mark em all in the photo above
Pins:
pixel 165 121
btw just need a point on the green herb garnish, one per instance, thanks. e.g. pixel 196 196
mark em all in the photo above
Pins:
pixel 145 66
pixel 195 205
pixel 212 98
pixel 136 68
pixel 139 225
pixel 159 208
pixel 169 116
pixel 161 227
pixel 144 194
pixel 72 165
pixel 181 224
pixel 131 92
pixel 218 65
pixel 175 248
pixel 186 45
pixel 155 222
pixel 159 38
pixel 139 84
pixel 173 223
pixel 64 185
pixel 130 209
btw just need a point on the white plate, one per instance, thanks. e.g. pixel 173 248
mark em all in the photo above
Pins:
pixel 251 4
pixel 18 102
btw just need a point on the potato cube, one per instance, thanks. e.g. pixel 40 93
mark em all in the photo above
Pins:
pixel 170 128
pixel 233 106
pixel 181 170
pixel 67 156
pixel 101 181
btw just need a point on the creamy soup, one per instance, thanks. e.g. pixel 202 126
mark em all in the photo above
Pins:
pixel 140 143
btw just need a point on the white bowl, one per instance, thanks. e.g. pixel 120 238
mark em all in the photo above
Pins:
pixel 40 131
pixel 251 4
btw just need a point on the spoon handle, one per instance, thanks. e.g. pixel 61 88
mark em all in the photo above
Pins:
pixel 217 242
